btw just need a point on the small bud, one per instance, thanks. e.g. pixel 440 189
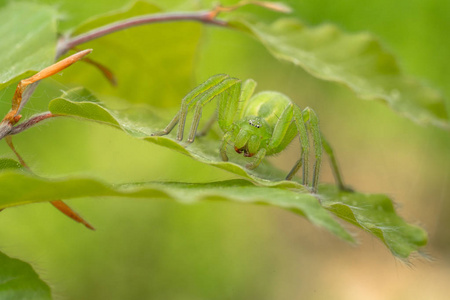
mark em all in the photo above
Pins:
pixel 16 119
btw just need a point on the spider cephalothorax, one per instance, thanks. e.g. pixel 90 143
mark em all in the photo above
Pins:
pixel 257 126
pixel 249 135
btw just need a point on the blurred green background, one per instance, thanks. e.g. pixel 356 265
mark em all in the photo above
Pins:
pixel 163 250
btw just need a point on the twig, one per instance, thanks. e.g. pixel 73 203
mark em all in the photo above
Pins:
pixel 207 17
pixel 31 122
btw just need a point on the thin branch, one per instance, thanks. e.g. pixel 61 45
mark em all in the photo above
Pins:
pixel 65 44
pixel 5 129
pixel 207 17
pixel 31 122
pixel 109 75
pixel 8 140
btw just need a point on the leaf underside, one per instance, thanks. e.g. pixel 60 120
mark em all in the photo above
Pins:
pixel 19 281
pixel 355 60
pixel 373 213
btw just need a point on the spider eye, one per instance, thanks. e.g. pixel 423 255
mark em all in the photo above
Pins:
pixel 254 124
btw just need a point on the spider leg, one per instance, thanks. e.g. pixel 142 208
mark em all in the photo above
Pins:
pixel 334 166
pixel 223 147
pixel 231 84
pixel 248 88
pixel 169 127
pixel 230 108
pixel 203 93
pixel 258 159
pixel 207 126
pixel 311 123
pixel 195 96
pixel 304 144
pixel 229 104
pixel 310 118
pixel 188 101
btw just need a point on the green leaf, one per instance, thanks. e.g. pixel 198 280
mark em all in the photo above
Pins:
pixel 40 189
pixel 18 281
pixel 140 123
pixel 28 33
pixel 373 213
pixel 153 61
pixel 356 60
pixel 7 163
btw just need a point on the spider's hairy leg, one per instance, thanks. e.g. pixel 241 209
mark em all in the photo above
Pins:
pixel 169 127
pixel 188 102
pixel 203 99
pixel 334 166
pixel 247 90
pixel 228 106
pixel 304 144
pixel 195 121
pixel 257 160
pixel 230 109
pixel 281 130
pixel 223 147
pixel 313 126
pixel 207 126
pixel 231 106
pixel 198 94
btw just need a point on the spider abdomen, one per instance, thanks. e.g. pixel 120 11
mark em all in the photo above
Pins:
pixel 267 105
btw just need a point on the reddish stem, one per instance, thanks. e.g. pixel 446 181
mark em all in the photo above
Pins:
pixel 31 122
pixel 203 17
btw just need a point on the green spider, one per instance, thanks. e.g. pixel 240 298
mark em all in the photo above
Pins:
pixel 258 126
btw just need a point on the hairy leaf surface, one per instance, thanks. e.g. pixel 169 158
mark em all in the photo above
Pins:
pixel 358 61
pixel 18 281
pixel 373 213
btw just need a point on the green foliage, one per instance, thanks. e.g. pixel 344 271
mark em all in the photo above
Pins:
pixel 162 56
pixel 19 281
pixel 373 213
pixel 356 60
pixel 154 64
pixel 28 34
pixel 7 163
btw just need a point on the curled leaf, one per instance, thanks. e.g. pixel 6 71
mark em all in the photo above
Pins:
pixel 358 61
